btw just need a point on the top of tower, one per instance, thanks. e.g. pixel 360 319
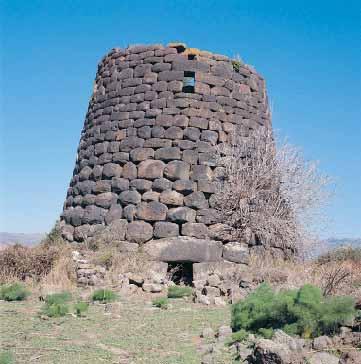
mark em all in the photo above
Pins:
pixel 182 50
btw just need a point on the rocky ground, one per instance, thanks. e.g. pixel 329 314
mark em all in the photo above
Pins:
pixel 132 331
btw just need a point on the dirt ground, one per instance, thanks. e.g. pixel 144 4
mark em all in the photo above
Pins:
pixel 126 331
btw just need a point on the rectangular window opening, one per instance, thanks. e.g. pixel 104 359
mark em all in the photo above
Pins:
pixel 188 82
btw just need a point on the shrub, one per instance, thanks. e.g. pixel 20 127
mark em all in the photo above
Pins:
pixel 55 309
pixel 80 308
pixel 58 298
pixel 104 295
pixel 6 357
pixel 266 333
pixel 13 292
pixel 56 304
pixel 21 262
pixel 179 291
pixel 240 335
pixel 304 312
pixel 160 302
pixel 272 193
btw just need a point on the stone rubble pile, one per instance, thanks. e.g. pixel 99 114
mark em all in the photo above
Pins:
pixel 87 274
pixel 284 349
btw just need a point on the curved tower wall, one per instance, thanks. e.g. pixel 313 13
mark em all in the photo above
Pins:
pixel 144 160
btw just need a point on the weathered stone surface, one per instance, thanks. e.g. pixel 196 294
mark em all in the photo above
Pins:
pixel 129 212
pixel 168 153
pixel 119 185
pixel 151 169
pixel 208 216
pixel 220 232
pixel 127 247
pixel 177 170
pixel 322 343
pixel 67 232
pixel 152 287
pixel 212 291
pixel 118 229
pixel 141 154
pixel 236 252
pixel 130 197
pixel 226 270
pixel 152 211
pixel 150 196
pixel 165 229
pixel 171 198
pixel 102 186
pixel 196 200
pixel 114 213
pixel 185 186
pixel 350 357
pixel 140 185
pixel 106 199
pixel 139 232
pixel 181 215
pixel 268 351
pixel 162 184
pixel 112 170
pixel 130 171
pixel 180 249
pixel 323 358
pixel 93 215
pixel 196 230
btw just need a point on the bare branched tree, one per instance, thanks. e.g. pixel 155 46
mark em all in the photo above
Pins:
pixel 269 190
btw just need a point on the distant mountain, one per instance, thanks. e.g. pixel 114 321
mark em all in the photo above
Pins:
pixel 20 238
pixel 332 243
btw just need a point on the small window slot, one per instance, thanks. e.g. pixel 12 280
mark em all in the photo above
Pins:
pixel 188 82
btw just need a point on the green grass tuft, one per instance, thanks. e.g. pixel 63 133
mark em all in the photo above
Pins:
pixel 239 336
pixel 104 295
pixel 55 310
pixel 80 308
pixel 179 292
pixel 6 357
pixel 58 298
pixel 13 292
pixel 160 302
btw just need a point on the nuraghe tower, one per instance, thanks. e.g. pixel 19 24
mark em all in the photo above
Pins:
pixel 145 163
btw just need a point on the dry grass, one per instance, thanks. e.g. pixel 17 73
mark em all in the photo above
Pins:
pixel 45 268
pixel 21 263
pixel 62 276
pixel 334 277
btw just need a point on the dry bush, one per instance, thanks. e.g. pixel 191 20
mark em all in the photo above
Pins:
pixel 272 192
pixel 334 278
pixel 62 276
pixel 19 262
pixel 48 264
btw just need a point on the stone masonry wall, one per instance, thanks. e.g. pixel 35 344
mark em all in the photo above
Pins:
pixel 145 155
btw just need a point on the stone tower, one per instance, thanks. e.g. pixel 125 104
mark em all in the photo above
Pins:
pixel 145 161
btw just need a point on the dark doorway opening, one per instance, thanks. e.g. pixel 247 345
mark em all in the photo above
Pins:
pixel 180 273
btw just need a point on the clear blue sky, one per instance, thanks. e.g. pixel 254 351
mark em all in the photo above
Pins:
pixel 308 51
